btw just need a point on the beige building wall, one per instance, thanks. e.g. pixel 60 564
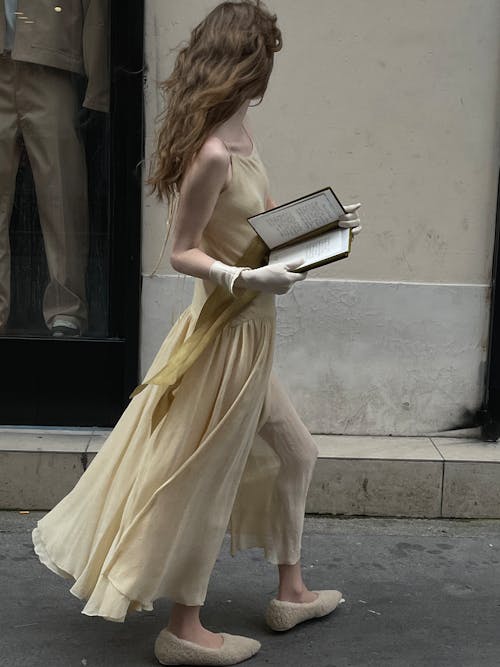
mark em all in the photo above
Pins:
pixel 394 103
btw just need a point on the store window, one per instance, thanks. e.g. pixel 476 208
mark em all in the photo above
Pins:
pixel 54 127
pixel 71 150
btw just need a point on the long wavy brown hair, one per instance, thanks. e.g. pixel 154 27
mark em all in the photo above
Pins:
pixel 227 61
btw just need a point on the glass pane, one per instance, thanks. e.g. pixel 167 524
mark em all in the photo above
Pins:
pixel 54 168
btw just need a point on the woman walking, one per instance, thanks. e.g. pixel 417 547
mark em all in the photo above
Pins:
pixel 210 440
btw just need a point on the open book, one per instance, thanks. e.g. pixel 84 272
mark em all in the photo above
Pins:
pixel 306 227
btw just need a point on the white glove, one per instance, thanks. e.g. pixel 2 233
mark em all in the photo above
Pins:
pixel 351 219
pixel 224 274
pixel 274 278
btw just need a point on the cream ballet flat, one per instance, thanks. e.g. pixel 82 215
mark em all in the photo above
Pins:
pixel 283 615
pixel 172 650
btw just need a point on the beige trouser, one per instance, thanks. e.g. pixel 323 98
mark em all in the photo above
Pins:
pixel 41 104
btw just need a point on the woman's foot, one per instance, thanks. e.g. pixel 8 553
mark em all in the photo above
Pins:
pixel 172 650
pixel 285 614
pixel 184 622
pixel 291 585
pixel 198 635
pixel 305 595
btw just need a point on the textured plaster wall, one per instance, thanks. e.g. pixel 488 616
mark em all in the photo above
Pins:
pixel 395 103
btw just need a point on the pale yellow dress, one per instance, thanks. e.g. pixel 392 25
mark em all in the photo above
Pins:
pixel 148 516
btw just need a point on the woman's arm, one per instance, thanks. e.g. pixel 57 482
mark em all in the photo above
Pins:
pixel 198 196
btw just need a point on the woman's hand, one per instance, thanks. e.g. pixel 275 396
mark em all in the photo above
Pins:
pixel 275 278
pixel 351 219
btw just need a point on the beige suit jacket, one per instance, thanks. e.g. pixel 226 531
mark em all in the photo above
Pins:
pixel 75 39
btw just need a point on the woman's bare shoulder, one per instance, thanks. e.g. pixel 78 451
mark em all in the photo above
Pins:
pixel 213 152
pixel 210 164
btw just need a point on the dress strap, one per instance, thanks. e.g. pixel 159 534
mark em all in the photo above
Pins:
pixel 229 153
pixel 227 147
pixel 248 135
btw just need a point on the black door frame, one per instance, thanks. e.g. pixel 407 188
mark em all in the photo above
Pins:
pixel 47 381
pixel 489 416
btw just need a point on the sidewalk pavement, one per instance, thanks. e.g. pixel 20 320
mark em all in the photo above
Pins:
pixel 418 592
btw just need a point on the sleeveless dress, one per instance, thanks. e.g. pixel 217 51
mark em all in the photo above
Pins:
pixel 148 516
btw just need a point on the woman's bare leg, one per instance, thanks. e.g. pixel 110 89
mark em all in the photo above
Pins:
pixel 284 431
pixel 291 586
pixel 184 622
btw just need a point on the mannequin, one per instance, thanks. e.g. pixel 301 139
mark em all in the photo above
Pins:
pixel 43 46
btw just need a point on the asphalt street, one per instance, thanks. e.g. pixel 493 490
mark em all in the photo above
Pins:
pixel 417 592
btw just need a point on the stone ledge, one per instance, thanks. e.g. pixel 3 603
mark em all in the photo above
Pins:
pixel 417 476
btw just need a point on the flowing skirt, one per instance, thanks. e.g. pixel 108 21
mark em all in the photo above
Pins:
pixel 148 516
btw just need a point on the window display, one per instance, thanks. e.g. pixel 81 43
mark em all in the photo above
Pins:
pixel 54 118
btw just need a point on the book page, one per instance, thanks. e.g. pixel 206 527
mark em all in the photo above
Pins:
pixel 318 249
pixel 285 222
